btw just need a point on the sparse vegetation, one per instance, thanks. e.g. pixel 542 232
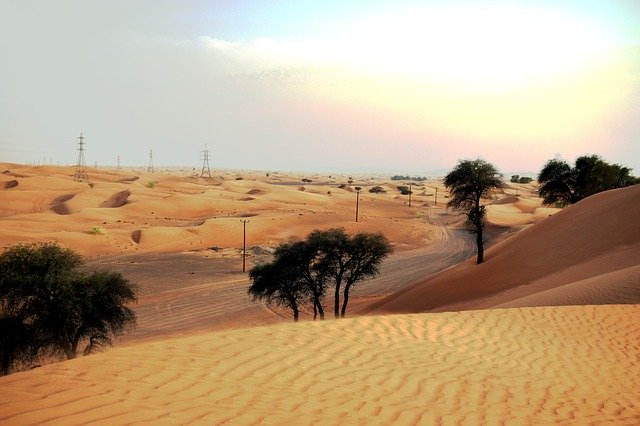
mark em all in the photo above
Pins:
pixel 377 190
pixel 302 271
pixel 415 178
pixel 520 179
pixel 305 180
pixel 404 190
pixel 151 184
pixel 96 230
pixel 49 308
pixel 469 183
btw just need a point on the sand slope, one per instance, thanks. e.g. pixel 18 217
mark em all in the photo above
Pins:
pixel 593 238
pixel 520 366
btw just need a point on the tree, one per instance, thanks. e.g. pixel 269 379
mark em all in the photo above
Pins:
pixel 366 253
pixel 278 283
pixel 54 307
pixel 302 271
pixel 561 184
pixel 469 183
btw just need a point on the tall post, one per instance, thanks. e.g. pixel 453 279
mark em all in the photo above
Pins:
pixel 436 200
pixel 118 168
pixel 411 183
pixel 357 188
pixel 244 241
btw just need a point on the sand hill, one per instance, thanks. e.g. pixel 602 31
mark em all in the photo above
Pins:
pixel 589 253
pixel 563 365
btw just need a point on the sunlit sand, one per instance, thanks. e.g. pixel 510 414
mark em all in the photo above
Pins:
pixel 179 238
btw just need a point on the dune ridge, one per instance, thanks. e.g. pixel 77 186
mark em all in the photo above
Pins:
pixel 528 365
pixel 595 237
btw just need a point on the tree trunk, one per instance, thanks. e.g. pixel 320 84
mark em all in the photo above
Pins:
pixel 336 306
pixel 346 300
pixel 294 307
pixel 320 309
pixel 480 246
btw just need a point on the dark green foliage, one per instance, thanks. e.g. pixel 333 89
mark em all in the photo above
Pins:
pixel 561 184
pixel 404 190
pixel 469 183
pixel 520 179
pixel 54 308
pixel 377 190
pixel 415 178
pixel 301 272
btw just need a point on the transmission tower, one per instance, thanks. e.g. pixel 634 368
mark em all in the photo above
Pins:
pixel 81 168
pixel 205 162
pixel 118 167
pixel 150 168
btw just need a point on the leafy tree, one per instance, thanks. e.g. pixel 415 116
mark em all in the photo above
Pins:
pixel 302 271
pixel 279 283
pixel 561 184
pixel 366 253
pixel 54 307
pixel 515 178
pixel 469 183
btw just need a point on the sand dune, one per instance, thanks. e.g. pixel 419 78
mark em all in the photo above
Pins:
pixel 521 366
pixel 593 238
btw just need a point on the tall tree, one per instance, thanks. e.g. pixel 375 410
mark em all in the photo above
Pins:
pixel 562 184
pixel 332 251
pixel 56 307
pixel 469 183
pixel 366 253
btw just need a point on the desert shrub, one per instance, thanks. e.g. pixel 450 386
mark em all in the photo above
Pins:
pixel 525 179
pixel 151 184
pixel 96 230
pixel 377 190
pixel 239 178
pixel 404 190
pixel 305 180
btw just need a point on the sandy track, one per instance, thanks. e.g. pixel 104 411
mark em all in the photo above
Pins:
pixel 567 365
pixel 182 292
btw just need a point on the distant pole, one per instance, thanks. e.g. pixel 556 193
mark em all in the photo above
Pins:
pixel 436 200
pixel 410 194
pixel 150 168
pixel 118 168
pixel 244 241
pixel 357 200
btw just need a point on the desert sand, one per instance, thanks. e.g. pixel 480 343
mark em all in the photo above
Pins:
pixel 526 360
pixel 588 253
pixel 562 365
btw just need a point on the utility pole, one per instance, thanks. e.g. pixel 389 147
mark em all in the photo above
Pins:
pixel 205 162
pixel 411 183
pixel 118 167
pixel 244 241
pixel 150 168
pixel 436 200
pixel 81 168
pixel 357 188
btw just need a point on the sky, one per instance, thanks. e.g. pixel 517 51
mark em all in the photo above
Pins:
pixel 343 86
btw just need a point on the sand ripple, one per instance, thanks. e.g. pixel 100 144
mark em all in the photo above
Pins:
pixel 530 365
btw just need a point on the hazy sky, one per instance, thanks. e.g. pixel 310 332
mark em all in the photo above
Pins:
pixel 394 86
